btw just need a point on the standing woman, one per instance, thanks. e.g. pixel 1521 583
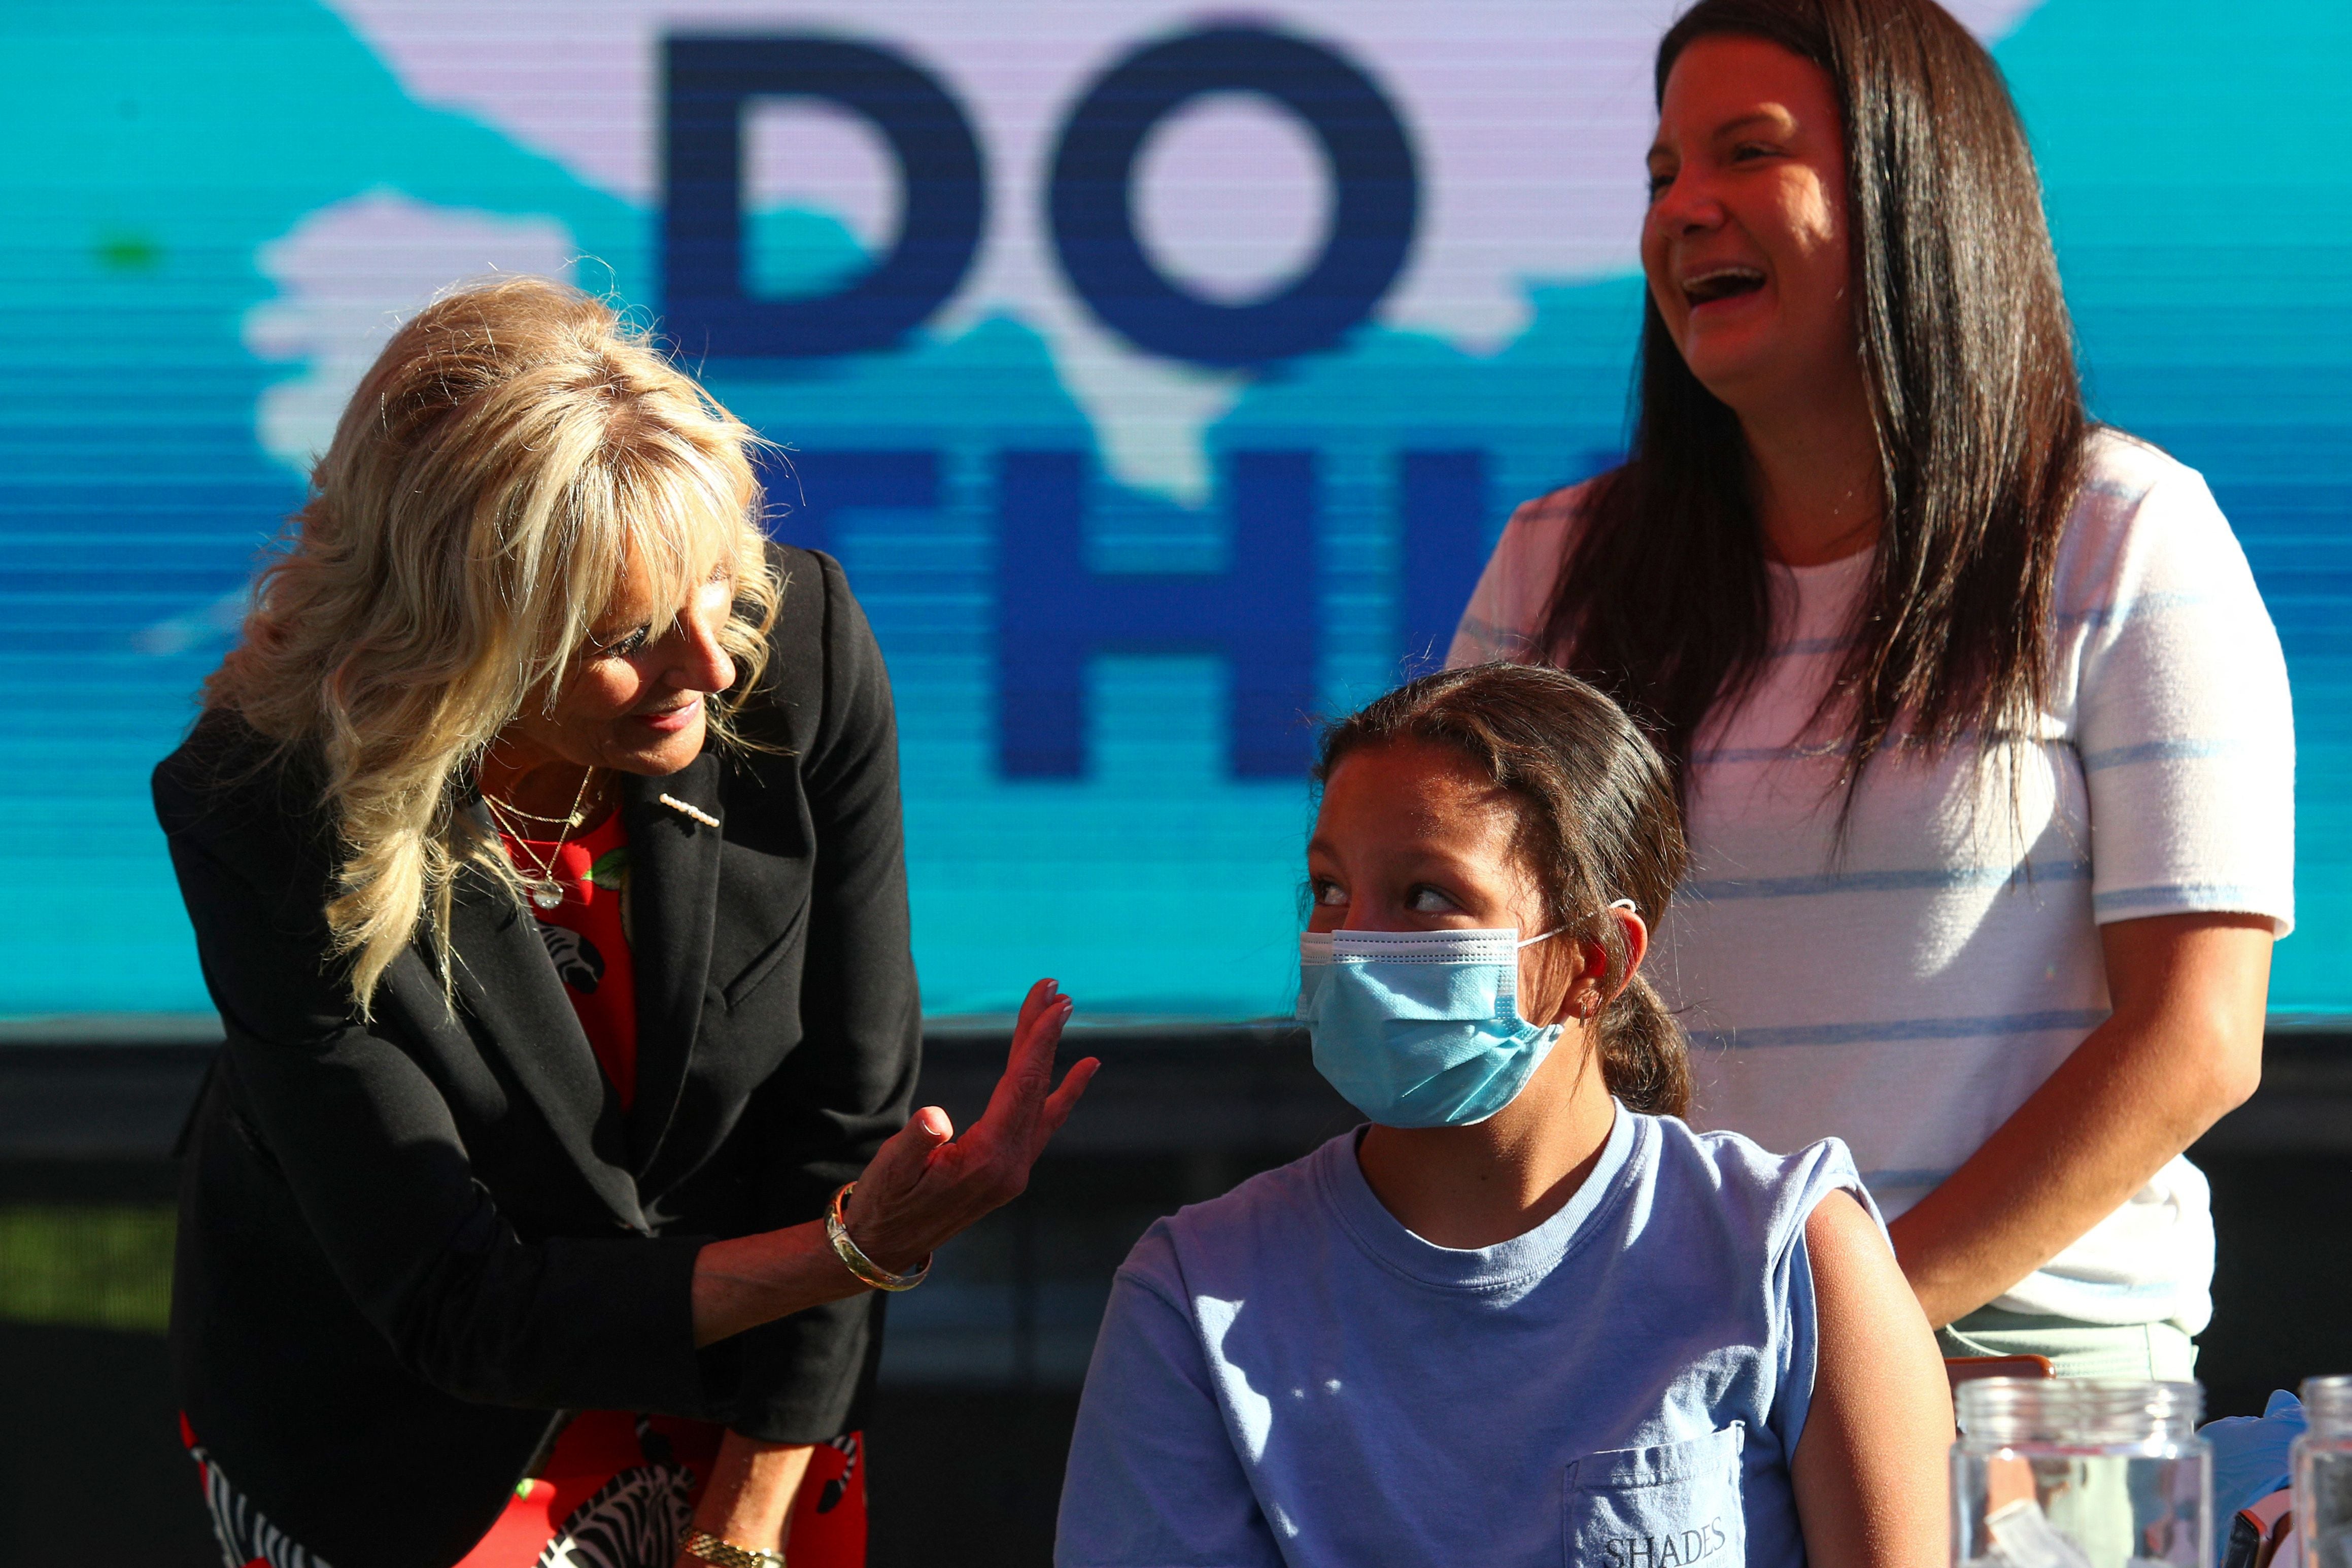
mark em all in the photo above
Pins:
pixel 541 839
pixel 1982 729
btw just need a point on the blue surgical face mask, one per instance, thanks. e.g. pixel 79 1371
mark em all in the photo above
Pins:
pixel 1420 1029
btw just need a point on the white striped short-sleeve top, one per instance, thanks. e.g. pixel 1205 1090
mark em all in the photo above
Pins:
pixel 1906 991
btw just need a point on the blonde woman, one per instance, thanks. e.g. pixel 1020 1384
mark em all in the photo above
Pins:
pixel 541 839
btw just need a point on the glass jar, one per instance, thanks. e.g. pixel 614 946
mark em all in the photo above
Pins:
pixel 2323 1473
pixel 2088 1472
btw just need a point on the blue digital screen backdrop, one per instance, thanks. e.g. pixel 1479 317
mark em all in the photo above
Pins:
pixel 1159 376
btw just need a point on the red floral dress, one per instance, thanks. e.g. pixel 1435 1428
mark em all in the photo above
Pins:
pixel 619 1488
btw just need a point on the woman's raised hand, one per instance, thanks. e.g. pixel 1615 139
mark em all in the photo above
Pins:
pixel 926 1184
pixel 920 1188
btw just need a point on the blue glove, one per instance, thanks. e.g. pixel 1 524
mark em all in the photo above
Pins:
pixel 2250 1458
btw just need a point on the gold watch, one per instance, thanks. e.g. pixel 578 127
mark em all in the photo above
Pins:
pixel 726 1554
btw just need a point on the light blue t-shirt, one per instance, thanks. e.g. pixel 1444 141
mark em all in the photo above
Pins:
pixel 1286 1375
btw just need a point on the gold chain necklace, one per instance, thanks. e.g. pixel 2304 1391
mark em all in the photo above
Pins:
pixel 545 890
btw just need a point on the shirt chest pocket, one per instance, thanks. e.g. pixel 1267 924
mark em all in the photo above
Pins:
pixel 1667 1507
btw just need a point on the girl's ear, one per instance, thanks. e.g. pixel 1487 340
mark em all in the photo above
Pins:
pixel 1592 987
pixel 1590 994
pixel 1636 931
pixel 1567 980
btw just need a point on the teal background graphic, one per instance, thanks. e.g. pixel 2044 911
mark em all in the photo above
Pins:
pixel 152 151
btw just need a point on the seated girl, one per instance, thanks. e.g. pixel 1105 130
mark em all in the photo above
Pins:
pixel 1526 1316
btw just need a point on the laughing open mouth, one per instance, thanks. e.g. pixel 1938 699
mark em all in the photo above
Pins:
pixel 1721 283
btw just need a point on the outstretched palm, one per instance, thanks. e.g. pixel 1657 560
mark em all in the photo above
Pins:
pixel 926 1183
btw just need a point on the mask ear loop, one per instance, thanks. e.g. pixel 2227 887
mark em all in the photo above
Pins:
pixel 1626 904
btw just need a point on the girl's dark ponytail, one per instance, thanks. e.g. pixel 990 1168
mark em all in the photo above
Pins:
pixel 1643 1058
pixel 1603 824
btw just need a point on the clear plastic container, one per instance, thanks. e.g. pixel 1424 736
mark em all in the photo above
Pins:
pixel 2081 1473
pixel 2323 1473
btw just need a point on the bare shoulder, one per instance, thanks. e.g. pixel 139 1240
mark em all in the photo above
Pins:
pixel 1853 1266
pixel 1839 1224
pixel 1872 1332
pixel 1868 1470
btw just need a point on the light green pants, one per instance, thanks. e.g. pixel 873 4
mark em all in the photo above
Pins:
pixel 2076 1349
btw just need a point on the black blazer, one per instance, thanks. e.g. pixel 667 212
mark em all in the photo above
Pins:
pixel 404 1244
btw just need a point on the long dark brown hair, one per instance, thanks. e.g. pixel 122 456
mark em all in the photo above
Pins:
pixel 1599 823
pixel 1967 352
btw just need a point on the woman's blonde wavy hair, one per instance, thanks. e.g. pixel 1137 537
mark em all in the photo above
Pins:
pixel 516 449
